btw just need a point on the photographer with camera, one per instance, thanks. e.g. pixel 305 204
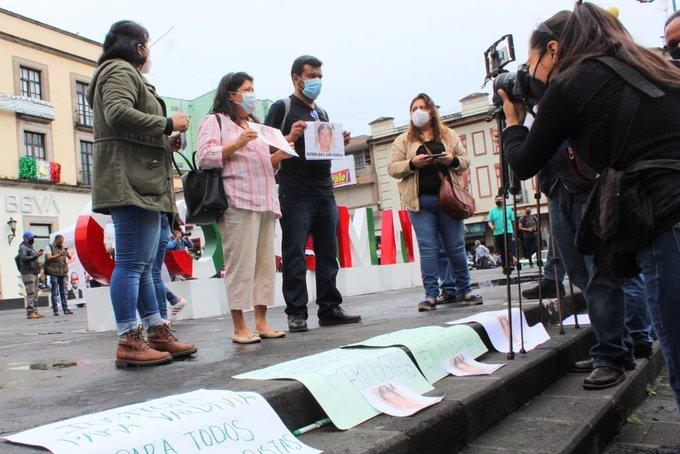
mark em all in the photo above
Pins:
pixel 625 122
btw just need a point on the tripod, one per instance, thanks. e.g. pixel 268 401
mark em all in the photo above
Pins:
pixel 504 191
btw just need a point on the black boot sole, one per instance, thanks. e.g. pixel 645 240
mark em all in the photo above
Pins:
pixel 591 386
pixel 628 367
pixel 184 353
pixel 323 322
pixel 300 329
pixel 122 363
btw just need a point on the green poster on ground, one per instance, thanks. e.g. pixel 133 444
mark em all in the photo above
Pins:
pixel 337 377
pixel 431 345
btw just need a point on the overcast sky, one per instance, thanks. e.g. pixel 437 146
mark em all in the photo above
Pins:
pixel 377 54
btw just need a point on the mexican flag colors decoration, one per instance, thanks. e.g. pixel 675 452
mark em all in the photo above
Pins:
pixel 31 168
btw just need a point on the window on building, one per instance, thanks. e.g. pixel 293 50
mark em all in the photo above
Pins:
pixel 34 144
pixel 86 162
pixel 31 85
pixel 359 160
pixel 84 111
pixel 367 157
pixel 42 234
pixel 497 168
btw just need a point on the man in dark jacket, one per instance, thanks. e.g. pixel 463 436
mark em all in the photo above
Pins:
pixel 57 270
pixel 29 269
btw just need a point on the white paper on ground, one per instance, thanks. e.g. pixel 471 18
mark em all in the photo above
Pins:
pixel 497 328
pixel 396 399
pixel 464 364
pixel 198 421
pixel 583 319
pixel 273 137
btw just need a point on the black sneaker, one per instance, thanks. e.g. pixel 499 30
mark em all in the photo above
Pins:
pixel 446 298
pixel 55 313
pixel 68 312
pixel 297 323
pixel 469 299
pixel 547 290
pixel 337 316
pixel 642 350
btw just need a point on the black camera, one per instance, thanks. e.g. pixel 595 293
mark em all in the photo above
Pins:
pixel 515 84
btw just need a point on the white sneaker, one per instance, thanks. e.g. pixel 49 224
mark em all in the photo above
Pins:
pixel 177 308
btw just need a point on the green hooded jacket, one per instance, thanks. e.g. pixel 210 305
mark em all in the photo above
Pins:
pixel 132 161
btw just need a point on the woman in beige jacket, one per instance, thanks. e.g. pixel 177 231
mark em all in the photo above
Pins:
pixel 418 173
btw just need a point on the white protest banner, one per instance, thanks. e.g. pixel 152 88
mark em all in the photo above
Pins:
pixel 430 345
pixel 198 421
pixel 324 141
pixel 396 399
pixel 464 364
pixel 336 379
pixel 273 137
pixel 497 328
pixel 583 319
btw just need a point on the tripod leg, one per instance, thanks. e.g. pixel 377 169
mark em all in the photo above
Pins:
pixel 519 285
pixel 539 256
pixel 571 292
pixel 557 287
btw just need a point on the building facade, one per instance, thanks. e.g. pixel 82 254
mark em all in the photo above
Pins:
pixel 45 134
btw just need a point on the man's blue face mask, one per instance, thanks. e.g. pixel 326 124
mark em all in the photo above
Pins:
pixel 312 88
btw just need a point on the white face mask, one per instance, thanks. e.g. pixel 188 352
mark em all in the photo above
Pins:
pixel 420 118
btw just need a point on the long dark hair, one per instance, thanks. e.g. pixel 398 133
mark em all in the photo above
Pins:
pixel 438 127
pixel 551 30
pixel 122 41
pixel 593 32
pixel 230 84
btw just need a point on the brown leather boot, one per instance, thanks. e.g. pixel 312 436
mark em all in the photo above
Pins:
pixel 162 339
pixel 134 350
pixel 34 314
pixel 603 377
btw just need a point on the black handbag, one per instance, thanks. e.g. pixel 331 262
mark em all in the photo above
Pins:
pixel 204 193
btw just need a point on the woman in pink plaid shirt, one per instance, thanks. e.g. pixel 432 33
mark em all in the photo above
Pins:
pixel 225 140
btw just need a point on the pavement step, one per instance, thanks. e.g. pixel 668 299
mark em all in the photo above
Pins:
pixel 472 404
pixel 565 418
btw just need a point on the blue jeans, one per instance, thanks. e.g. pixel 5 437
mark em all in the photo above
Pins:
pixel 660 263
pixel 159 286
pixel 301 216
pixel 616 307
pixel 445 277
pixel 58 289
pixel 430 223
pixel 132 287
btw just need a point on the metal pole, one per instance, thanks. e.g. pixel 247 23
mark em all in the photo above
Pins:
pixel 507 269
pixel 557 286
pixel 571 292
pixel 539 255
pixel 519 285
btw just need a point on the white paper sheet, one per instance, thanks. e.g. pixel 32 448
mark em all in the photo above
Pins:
pixel 273 137
pixel 583 319
pixel 396 399
pixel 498 329
pixel 199 421
pixel 324 141
pixel 464 364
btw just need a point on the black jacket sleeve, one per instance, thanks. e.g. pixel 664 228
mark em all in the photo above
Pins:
pixel 528 151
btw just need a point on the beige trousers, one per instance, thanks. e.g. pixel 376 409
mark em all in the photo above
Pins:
pixel 248 244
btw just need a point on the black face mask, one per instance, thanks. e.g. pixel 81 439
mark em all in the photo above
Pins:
pixel 30 241
pixel 675 53
pixel 499 204
pixel 532 88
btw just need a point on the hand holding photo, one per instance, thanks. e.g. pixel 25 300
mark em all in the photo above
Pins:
pixel 463 364
pixel 324 141
pixel 396 399
pixel 273 137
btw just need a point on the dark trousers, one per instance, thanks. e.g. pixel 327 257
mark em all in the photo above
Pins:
pixel 500 248
pixel 58 284
pixel 530 246
pixel 301 216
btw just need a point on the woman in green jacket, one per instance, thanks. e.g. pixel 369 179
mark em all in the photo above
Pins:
pixel 133 183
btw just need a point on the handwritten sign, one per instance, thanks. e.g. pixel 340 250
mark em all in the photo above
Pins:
pixel 336 378
pixel 198 421
pixel 430 345
pixel 497 328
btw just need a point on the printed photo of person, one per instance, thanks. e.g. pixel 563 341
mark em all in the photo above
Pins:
pixel 324 138
pixel 390 395
pixel 324 141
